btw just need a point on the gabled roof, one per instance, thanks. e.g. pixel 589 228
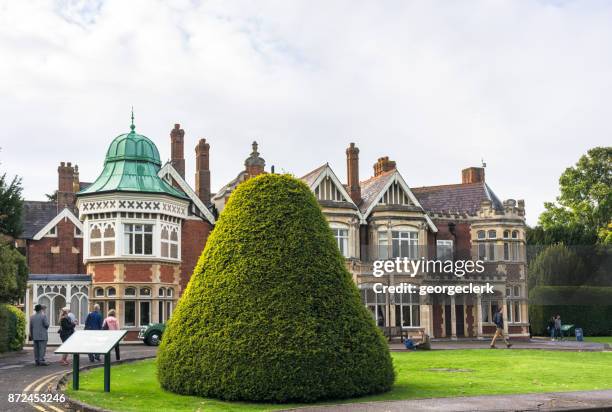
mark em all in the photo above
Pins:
pixel 462 197
pixel 168 169
pixel 375 187
pixel 314 178
pixel 36 214
pixel 64 214
pixel 231 185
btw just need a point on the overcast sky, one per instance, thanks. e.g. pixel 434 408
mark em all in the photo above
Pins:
pixel 436 86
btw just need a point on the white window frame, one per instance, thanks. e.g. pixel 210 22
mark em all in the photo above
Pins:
pixel 445 243
pixel 129 238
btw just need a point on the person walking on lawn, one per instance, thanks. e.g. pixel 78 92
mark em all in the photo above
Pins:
pixel 94 322
pixel 558 331
pixel 498 319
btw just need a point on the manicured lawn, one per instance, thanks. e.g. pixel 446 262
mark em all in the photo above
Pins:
pixel 445 373
pixel 600 339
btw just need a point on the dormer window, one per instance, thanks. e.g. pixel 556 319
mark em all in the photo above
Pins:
pixel 138 239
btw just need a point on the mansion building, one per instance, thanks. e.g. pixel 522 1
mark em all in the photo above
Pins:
pixel 130 240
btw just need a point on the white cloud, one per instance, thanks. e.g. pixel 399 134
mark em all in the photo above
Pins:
pixel 434 85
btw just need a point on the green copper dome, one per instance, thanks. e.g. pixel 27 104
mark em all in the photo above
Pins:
pixel 132 164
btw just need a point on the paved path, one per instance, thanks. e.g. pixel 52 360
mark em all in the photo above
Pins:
pixel 18 374
pixel 576 401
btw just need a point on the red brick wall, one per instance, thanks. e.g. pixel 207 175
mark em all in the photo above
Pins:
pixel 166 273
pixel 193 238
pixel 469 320
pixel 462 238
pixel 42 261
pixel 437 320
pixel 138 272
pixel 103 272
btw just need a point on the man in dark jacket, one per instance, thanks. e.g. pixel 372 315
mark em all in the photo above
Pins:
pixel 498 319
pixel 94 322
pixel 38 333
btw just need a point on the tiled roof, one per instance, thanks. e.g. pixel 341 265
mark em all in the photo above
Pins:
pixel 229 187
pixel 462 198
pixel 311 177
pixel 36 215
pixel 371 188
pixel 60 278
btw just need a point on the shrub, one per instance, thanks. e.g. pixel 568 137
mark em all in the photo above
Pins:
pixel 586 307
pixel 12 328
pixel 271 313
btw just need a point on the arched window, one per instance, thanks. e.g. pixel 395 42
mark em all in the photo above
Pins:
pixel 170 292
pixel 102 240
pixel 506 234
pixel 515 234
pixel 162 292
pixel 481 234
pixel 492 234
pixel 98 292
pixel 145 292
pixel 169 242
pixel 111 292
pixel 130 291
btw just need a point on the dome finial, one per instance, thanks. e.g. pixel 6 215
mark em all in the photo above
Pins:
pixel 132 126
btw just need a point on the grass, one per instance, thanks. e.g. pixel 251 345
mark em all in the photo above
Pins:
pixel 600 339
pixel 431 374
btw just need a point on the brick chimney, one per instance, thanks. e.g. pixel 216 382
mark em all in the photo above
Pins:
pixel 473 175
pixel 352 173
pixel 177 152
pixel 254 165
pixel 65 187
pixel 202 175
pixel 383 165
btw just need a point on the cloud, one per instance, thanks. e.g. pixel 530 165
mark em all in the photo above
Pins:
pixel 437 86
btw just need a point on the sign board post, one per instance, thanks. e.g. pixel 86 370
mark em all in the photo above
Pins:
pixel 98 342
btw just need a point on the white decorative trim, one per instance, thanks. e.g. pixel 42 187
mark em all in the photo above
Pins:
pixel 168 169
pixel 397 177
pixel 64 214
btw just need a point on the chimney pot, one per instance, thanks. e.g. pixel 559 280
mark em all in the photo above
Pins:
pixel 473 175
pixel 352 172
pixel 383 165
pixel 202 175
pixel 177 152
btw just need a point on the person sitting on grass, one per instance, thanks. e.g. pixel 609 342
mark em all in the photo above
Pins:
pixel 498 319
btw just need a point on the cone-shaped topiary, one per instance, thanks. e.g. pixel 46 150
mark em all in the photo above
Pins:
pixel 271 313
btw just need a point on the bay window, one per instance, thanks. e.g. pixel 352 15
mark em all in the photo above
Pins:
pixel 341 236
pixel 102 240
pixel 138 239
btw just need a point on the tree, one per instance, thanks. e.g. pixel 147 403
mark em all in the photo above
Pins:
pixel 556 265
pixel 11 205
pixel 13 273
pixel 586 195
pixel 271 313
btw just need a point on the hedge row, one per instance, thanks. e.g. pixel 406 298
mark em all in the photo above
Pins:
pixel 586 307
pixel 12 328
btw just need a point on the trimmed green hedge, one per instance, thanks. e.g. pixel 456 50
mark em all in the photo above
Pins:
pixel 271 313
pixel 12 328
pixel 586 307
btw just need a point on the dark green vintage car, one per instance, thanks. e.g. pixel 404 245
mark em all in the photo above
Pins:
pixel 152 334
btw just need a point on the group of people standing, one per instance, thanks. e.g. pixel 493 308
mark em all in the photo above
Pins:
pixel 39 325
pixel 554 328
